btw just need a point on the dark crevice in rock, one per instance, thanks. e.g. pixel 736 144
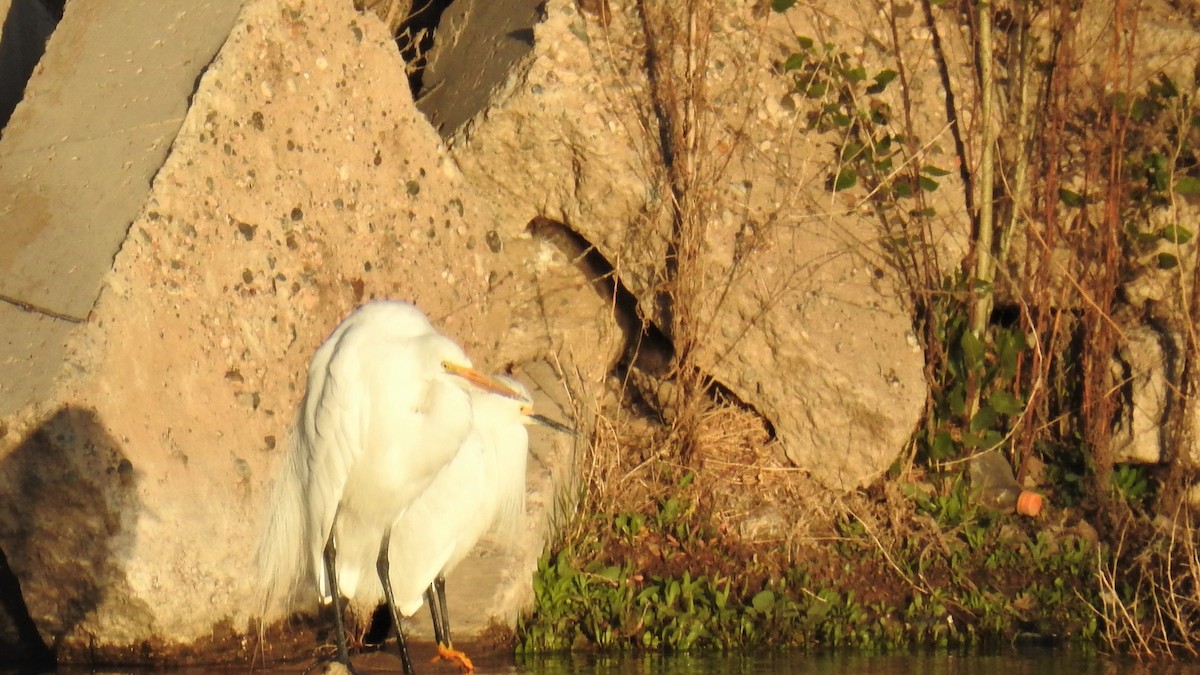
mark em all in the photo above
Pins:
pixel 22 644
pixel 416 36
pixel 646 347
pixel 648 355
pixel 27 27
pixel 55 8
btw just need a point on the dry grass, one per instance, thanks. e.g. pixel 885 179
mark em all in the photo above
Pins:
pixel 740 478
pixel 750 485
pixel 677 60
pixel 1150 588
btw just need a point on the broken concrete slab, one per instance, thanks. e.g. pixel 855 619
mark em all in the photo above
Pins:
pixel 32 348
pixel 96 122
pixel 478 44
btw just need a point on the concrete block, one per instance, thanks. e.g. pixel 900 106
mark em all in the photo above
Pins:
pixel 95 124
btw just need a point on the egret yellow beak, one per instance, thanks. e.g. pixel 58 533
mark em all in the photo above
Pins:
pixel 484 382
pixel 494 386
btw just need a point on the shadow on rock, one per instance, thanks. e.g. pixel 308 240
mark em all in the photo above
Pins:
pixel 68 506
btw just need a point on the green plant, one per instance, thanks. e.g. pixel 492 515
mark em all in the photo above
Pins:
pixel 849 105
pixel 1133 484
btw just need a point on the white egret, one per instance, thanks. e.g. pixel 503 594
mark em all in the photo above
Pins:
pixel 388 406
pixel 482 488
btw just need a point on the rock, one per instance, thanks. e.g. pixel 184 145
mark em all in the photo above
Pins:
pixel 479 44
pixel 1146 369
pixel 76 160
pixel 798 321
pixel 302 182
pixel 95 124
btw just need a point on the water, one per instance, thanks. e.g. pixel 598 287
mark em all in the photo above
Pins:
pixel 1018 661
pixel 1014 661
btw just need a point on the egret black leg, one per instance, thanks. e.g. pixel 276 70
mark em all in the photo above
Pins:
pixel 435 615
pixel 331 577
pixel 435 596
pixel 382 566
pixel 439 586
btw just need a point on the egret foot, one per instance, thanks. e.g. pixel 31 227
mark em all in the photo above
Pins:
pixel 454 656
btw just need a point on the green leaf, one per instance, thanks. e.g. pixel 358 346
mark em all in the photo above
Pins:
pixel 1165 87
pixel 672 592
pixel 951 507
pixel 984 419
pixel 611 573
pixel 845 179
pixel 782 5
pixel 936 172
pixel 1175 234
pixel 1004 402
pixel 795 62
pixel 942 446
pixel 1141 109
pixel 990 438
pixel 957 401
pixel 806 43
pixel 1009 345
pixel 1166 261
pixel 972 349
pixel 1187 185
pixel 970 439
pixel 927 184
pixel 856 75
pixel 1072 199
pixel 1157 176
pixel 852 151
pixel 882 80
pixel 1139 236
pixel 763 601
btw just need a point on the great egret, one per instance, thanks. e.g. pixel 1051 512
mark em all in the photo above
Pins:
pixel 387 407
pixel 482 487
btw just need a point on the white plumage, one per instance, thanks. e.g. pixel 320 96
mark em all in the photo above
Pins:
pixel 397 437
pixel 388 407
pixel 482 487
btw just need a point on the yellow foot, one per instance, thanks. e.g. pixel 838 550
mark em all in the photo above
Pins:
pixel 453 655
